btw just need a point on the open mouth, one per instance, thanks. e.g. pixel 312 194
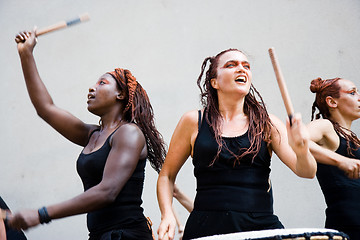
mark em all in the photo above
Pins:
pixel 90 96
pixel 241 79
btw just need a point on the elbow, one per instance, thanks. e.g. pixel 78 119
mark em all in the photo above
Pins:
pixel 309 173
pixel 306 166
pixel 42 114
pixel 44 110
pixel 108 195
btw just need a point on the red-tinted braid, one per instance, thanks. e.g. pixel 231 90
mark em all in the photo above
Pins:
pixel 131 84
pixel 139 110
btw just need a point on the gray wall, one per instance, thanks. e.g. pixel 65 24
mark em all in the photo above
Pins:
pixel 163 43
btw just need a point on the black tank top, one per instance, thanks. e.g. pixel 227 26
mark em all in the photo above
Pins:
pixel 243 187
pixel 126 209
pixel 342 194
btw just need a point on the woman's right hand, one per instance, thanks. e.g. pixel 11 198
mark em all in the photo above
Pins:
pixel 166 230
pixel 350 166
pixel 26 41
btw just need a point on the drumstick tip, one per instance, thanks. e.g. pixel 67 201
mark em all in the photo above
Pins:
pixel 84 17
pixel 272 52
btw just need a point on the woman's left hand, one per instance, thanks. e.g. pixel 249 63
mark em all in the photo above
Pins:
pixel 24 219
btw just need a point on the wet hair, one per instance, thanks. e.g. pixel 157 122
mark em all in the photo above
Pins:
pixel 139 110
pixel 324 88
pixel 259 120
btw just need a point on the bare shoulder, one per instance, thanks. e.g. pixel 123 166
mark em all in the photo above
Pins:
pixel 320 128
pixel 277 124
pixel 274 119
pixel 187 128
pixel 129 133
pixel 188 121
pixel 320 124
pixel 322 132
pixel 278 130
pixel 190 117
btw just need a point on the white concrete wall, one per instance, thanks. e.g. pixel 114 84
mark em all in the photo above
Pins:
pixel 163 43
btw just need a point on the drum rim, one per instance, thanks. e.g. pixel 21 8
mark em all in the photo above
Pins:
pixel 284 233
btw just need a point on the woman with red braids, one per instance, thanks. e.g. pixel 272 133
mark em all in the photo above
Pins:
pixel 112 163
pixel 231 142
pixel 337 151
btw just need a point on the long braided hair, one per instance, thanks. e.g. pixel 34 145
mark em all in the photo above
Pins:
pixel 259 120
pixel 324 88
pixel 139 110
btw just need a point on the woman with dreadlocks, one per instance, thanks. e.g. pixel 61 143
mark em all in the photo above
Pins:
pixel 231 141
pixel 337 151
pixel 112 163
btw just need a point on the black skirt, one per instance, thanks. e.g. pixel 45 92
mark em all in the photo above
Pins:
pixel 208 223
pixel 141 231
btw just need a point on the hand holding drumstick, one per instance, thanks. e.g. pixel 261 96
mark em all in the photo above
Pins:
pixel 56 26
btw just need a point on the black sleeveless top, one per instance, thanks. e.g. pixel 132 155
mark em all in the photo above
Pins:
pixel 342 194
pixel 243 187
pixel 125 211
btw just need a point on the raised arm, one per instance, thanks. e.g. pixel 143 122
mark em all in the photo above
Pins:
pixel 291 145
pixel 66 124
pixel 180 149
pixel 323 144
pixel 127 147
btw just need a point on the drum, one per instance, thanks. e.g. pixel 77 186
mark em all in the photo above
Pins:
pixel 282 234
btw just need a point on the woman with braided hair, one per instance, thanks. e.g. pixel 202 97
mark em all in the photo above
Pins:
pixel 231 142
pixel 112 163
pixel 337 151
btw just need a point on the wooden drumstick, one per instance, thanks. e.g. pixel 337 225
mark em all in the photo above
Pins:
pixel 282 85
pixel 63 24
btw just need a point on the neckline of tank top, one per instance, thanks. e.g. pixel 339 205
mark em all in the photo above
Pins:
pixel 82 152
pixel 237 136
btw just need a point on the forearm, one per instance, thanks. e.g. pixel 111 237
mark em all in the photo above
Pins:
pixel 305 165
pixel 38 93
pixel 185 201
pixel 165 188
pixel 92 199
pixel 324 155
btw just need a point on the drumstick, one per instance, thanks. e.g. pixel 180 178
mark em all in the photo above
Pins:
pixel 63 24
pixel 60 25
pixel 282 85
